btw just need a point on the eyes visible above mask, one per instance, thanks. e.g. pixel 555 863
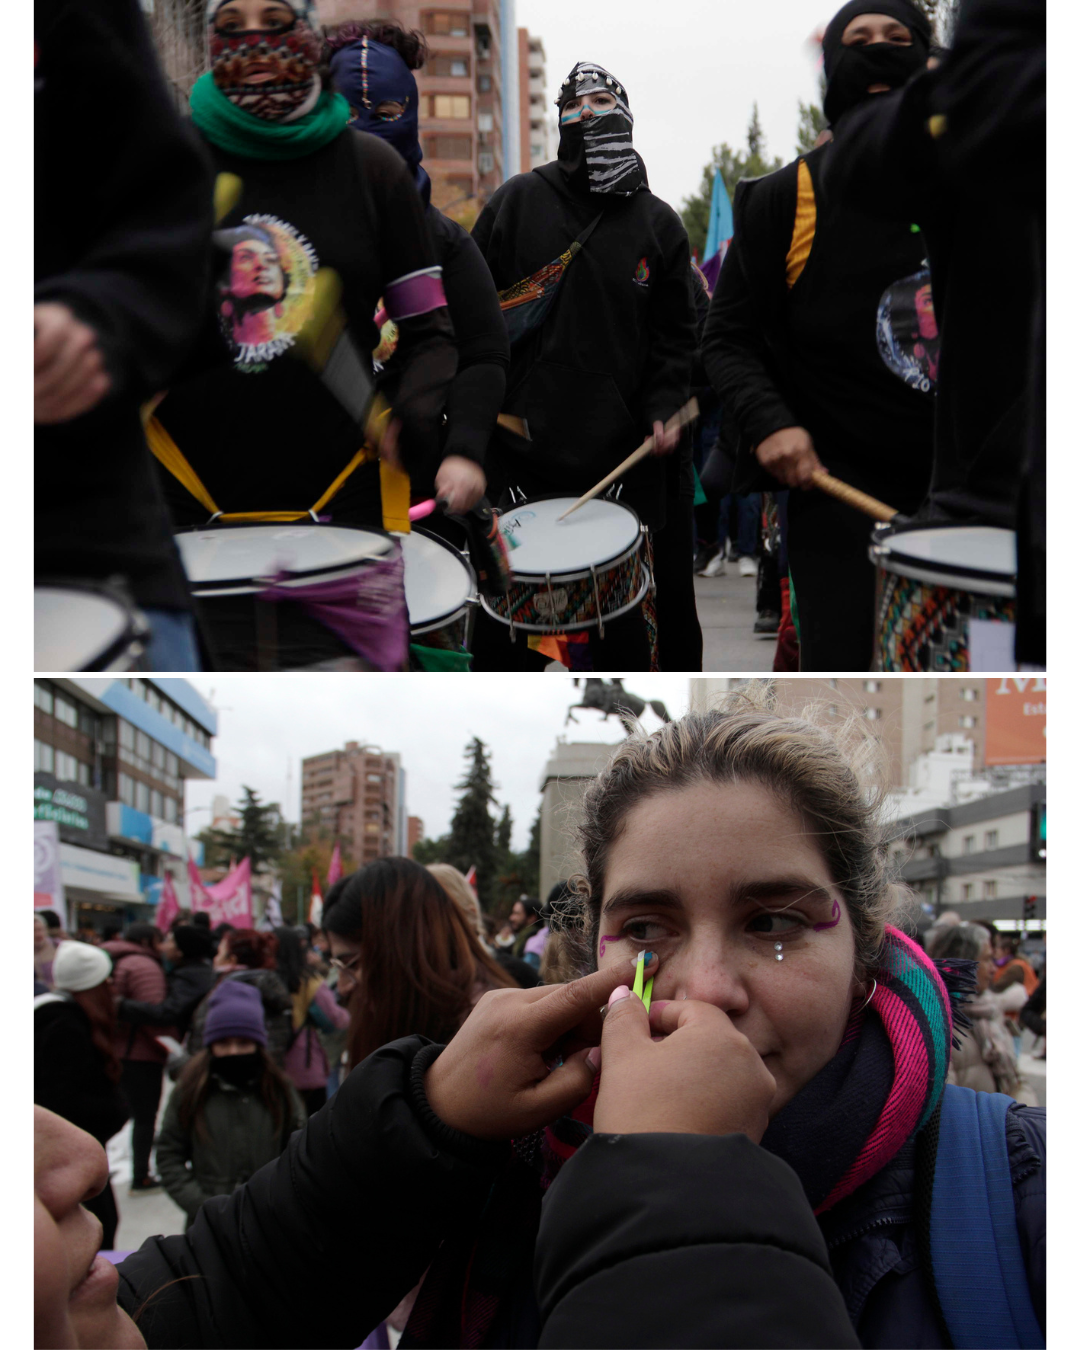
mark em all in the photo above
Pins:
pixel 597 104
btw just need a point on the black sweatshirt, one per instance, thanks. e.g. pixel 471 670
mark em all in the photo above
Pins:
pixel 809 356
pixel 122 237
pixel 615 351
pixel 979 192
pixel 69 1072
pixel 259 426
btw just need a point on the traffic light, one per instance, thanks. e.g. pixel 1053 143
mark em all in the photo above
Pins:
pixel 1029 908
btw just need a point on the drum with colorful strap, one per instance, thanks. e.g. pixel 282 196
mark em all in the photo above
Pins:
pixel 286 596
pixel 946 597
pixel 440 590
pixel 83 626
pixel 570 574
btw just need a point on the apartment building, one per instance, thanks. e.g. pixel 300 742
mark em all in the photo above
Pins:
pixel 111 757
pixel 358 794
pixel 534 110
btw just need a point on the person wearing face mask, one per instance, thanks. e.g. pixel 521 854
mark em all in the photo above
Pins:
pixel 372 64
pixel 255 428
pixel 611 360
pixel 932 152
pixel 233 1109
pixel 793 345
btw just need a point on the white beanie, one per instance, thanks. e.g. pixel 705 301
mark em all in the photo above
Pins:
pixel 78 966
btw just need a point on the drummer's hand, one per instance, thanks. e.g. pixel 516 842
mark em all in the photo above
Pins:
pixel 495 1081
pixel 460 483
pixel 698 1076
pixel 789 455
pixel 664 441
pixel 69 370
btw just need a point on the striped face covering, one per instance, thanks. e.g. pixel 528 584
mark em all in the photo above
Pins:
pixel 604 141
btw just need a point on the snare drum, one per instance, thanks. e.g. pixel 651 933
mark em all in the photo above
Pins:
pixel 570 574
pixel 87 627
pixel 946 597
pixel 230 566
pixel 440 587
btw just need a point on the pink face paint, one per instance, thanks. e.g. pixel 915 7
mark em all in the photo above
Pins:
pixel 608 937
pixel 833 921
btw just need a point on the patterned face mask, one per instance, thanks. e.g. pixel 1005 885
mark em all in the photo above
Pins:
pixel 289 56
pixel 599 151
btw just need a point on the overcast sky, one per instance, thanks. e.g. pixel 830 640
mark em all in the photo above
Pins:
pixel 267 720
pixel 692 69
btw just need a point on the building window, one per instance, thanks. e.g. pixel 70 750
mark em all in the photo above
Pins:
pixel 872 714
pixel 969 695
pixel 142 798
pixel 483 84
pixel 157 805
pixel 65 712
pixel 450 147
pixel 126 790
pixel 440 24
pixel 872 686
pixel 67 768
pixel 989 890
pixel 452 106
pixel 990 839
pixel 127 735
pixel 172 810
pixel 43 757
pixel 43 698
pixel 485 121
pixel 536 150
pixel 967 891
pixel 969 843
pixel 968 722
pixel 455 67
pixel 142 745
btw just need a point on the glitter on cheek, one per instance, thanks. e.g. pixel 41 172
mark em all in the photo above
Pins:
pixel 609 937
pixel 833 921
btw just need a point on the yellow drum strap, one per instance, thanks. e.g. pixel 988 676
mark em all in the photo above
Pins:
pixel 802 236
pixel 394 484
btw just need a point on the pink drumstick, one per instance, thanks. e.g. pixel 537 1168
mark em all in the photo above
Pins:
pixel 422 509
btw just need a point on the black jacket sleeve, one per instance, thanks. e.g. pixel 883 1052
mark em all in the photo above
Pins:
pixel 133 259
pixel 187 987
pixel 321 1244
pixel 69 1074
pixel 476 395
pixel 691 1240
pixel 741 344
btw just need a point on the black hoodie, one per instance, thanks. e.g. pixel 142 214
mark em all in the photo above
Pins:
pixel 615 352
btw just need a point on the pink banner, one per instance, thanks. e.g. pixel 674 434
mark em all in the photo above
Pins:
pixel 168 906
pixel 228 900
pixel 335 873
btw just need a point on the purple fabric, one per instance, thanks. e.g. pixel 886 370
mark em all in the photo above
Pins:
pixel 368 611
pixel 235 1009
pixel 376 1340
pixel 538 942
pixel 710 269
pixel 117 1257
pixel 418 293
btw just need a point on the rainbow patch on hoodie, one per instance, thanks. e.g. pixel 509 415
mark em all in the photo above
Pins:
pixel 641 272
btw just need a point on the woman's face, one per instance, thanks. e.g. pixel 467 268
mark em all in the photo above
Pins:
pixel 586 107
pixel 710 878
pixel 233 1045
pixel 41 934
pixel 74 1288
pixel 347 950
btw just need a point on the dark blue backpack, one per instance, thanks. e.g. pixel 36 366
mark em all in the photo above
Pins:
pixel 975 1251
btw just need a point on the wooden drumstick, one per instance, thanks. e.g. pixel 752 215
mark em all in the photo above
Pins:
pixel 861 501
pixel 682 418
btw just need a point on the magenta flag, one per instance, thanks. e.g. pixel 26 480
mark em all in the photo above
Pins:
pixel 168 906
pixel 228 900
pixel 335 873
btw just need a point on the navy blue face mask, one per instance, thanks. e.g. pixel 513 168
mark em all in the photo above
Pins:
pixel 369 74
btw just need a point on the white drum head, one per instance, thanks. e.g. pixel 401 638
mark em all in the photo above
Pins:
pixel 238 554
pixel 74 629
pixel 438 584
pixel 595 534
pixel 978 558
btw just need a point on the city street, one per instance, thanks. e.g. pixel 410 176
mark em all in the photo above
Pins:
pixel 726 608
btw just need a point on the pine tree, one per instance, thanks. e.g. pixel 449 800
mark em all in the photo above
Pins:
pixel 733 166
pixel 472 841
pixel 505 831
pixel 260 836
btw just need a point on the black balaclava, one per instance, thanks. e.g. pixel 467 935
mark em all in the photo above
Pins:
pixel 850 71
pixel 239 1071
pixel 598 155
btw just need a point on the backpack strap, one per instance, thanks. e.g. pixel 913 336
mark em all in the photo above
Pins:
pixel 975 1248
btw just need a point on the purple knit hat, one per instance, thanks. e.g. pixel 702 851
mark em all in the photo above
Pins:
pixel 235 1010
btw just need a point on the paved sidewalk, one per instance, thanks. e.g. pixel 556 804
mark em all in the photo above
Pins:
pixel 726 610
pixel 141 1216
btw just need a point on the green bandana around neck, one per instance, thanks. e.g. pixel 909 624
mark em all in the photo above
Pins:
pixel 232 129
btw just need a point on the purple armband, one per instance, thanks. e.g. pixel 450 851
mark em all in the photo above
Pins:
pixel 416 293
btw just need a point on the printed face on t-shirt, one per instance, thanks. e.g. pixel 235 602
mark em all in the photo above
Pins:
pixel 256 270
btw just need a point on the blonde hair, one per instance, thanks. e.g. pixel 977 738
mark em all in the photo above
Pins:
pixel 834 780
pixel 462 894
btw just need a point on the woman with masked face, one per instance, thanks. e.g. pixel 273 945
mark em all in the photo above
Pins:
pixel 610 362
pixel 372 64
pixel 805 346
pixel 261 427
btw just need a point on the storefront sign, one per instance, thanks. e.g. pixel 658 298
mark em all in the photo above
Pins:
pixel 1016 720
pixel 48 883
pixel 78 811
pixel 118 878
